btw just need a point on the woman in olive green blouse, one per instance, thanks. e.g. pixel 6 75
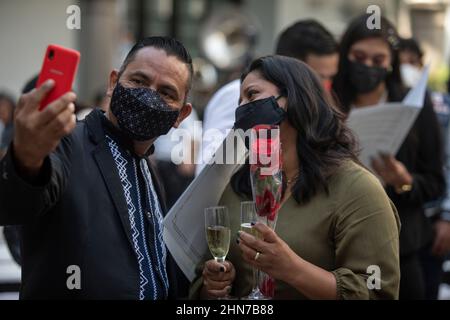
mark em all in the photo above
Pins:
pixel 337 230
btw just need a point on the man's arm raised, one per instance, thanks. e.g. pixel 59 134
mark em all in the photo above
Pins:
pixel 32 175
pixel 38 133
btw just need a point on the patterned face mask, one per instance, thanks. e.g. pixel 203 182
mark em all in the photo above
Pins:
pixel 141 112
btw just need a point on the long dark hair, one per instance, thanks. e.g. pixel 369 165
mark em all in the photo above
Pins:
pixel 323 140
pixel 357 31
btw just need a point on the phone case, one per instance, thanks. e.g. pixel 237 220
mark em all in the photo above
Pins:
pixel 60 64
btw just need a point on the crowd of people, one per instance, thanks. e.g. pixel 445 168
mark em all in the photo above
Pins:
pixel 90 193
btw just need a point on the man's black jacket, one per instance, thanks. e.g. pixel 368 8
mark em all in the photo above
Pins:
pixel 76 216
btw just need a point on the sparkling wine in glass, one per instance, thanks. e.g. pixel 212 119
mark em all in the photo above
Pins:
pixel 218 238
pixel 218 233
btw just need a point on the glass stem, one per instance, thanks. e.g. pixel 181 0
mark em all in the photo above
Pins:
pixel 255 279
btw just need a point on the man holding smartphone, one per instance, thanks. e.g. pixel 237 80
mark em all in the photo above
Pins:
pixel 87 198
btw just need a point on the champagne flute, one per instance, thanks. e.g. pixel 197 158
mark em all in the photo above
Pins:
pixel 248 218
pixel 218 233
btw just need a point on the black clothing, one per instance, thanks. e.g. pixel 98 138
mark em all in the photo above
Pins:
pixel 76 216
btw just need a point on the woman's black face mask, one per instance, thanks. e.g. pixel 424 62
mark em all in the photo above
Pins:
pixel 263 111
pixel 364 78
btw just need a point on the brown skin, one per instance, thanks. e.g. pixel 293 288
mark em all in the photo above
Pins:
pixel 409 57
pixel 276 258
pixel 38 133
pixel 6 111
pixel 152 68
pixel 217 279
pixel 391 171
pixel 326 66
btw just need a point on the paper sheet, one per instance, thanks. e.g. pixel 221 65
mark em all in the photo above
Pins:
pixel 383 128
pixel 184 225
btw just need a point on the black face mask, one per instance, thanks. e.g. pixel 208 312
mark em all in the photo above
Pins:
pixel 141 112
pixel 263 111
pixel 365 79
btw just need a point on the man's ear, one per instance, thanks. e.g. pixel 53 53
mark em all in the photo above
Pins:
pixel 113 78
pixel 184 113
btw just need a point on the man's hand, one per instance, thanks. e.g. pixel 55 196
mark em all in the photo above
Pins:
pixel 38 133
pixel 217 279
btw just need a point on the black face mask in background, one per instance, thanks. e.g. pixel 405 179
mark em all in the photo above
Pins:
pixel 364 78
pixel 262 111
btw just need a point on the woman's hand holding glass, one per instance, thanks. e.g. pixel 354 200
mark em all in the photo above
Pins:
pixel 275 257
pixel 218 279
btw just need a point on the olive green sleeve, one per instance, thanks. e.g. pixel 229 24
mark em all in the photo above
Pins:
pixel 366 239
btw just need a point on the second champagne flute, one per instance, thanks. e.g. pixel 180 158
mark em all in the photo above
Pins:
pixel 248 218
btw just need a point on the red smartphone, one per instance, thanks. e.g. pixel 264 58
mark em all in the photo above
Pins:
pixel 60 64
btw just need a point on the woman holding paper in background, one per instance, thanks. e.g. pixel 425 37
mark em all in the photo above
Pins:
pixel 369 75
pixel 336 221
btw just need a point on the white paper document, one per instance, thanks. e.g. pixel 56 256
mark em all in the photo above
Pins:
pixel 383 128
pixel 184 225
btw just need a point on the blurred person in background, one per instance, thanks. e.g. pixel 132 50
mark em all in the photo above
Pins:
pixel 312 43
pixel 411 68
pixel 369 74
pixel 411 61
pixel 306 40
pixel 411 64
pixel 7 106
pixel 101 100
pixel 177 177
